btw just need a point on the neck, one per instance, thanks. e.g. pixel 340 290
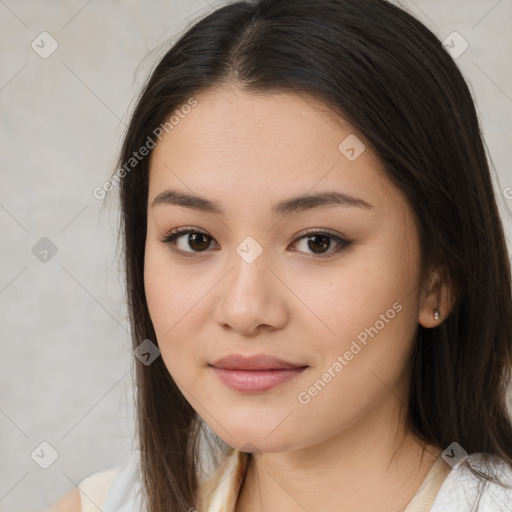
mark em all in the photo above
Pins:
pixel 373 465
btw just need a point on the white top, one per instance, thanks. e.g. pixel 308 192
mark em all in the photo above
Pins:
pixel 118 489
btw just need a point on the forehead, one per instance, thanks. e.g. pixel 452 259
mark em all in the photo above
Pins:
pixel 261 145
pixel 230 119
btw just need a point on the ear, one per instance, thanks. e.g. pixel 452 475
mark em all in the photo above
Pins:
pixel 436 295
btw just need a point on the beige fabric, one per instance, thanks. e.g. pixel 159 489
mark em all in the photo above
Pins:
pixel 94 489
pixel 424 498
pixel 219 493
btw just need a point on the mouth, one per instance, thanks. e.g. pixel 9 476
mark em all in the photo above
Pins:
pixel 255 373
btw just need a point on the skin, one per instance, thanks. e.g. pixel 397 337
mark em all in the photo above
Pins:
pixel 248 151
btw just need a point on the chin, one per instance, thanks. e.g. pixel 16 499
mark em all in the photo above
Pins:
pixel 260 445
pixel 253 439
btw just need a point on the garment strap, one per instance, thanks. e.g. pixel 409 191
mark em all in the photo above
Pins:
pixel 425 496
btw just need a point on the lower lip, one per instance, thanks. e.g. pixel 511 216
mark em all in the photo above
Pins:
pixel 256 380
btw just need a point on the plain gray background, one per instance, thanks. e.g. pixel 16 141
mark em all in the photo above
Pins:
pixel 65 370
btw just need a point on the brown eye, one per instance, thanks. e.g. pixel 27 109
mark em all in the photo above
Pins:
pixel 195 242
pixel 318 243
pixel 191 242
pixel 198 241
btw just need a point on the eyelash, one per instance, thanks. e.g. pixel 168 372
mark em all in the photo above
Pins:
pixel 172 236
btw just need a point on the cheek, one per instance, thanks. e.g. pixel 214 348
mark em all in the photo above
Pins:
pixel 158 296
pixel 371 311
pixel 169 291
pixel 359 372
pixel 173 300
pixel 367 290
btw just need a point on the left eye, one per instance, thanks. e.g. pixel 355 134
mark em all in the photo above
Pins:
pixel 317 241
pixel 323 240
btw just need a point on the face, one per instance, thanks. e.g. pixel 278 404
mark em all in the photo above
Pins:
pixel 329 287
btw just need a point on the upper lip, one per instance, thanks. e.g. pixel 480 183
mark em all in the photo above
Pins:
pixel 256 362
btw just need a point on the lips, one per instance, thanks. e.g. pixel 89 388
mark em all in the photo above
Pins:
pixel 255 373
pixel 256 362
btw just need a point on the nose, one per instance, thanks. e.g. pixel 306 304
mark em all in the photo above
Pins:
pixel 252 297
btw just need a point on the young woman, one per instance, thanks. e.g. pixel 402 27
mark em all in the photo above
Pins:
pixel 312 242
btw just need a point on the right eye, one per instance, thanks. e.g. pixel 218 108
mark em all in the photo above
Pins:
pixel 197 241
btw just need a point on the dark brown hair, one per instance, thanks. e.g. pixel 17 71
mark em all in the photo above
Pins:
pixel 390 77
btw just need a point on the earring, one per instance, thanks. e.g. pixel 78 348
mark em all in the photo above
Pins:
pixel 436 315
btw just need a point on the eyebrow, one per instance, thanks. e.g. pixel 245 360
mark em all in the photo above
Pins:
pixel 286 207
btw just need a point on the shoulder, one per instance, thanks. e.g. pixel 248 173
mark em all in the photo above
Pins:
pixel 68 503
pixel 95 488
pixel 90 492
pixel 463 490
pixel 496 497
